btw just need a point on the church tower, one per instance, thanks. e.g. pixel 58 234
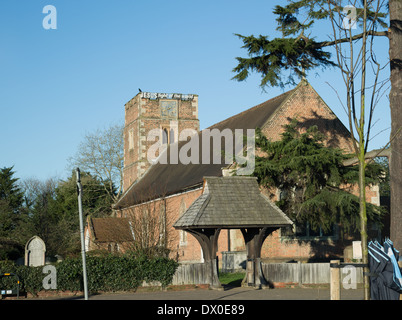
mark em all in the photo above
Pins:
pixel 168 113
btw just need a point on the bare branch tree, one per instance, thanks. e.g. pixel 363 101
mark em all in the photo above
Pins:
pixel 152 224
pixel 101 154
pixel 360 104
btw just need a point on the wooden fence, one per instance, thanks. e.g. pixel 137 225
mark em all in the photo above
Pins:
pixel 309 273
pixel 194 273
pixel 301 273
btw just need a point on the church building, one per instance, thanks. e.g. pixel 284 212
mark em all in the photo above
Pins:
pixel 158 192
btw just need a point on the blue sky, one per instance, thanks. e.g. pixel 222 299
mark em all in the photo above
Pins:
pixel 57 85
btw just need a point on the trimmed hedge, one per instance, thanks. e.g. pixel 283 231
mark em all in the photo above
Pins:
pixel 104 273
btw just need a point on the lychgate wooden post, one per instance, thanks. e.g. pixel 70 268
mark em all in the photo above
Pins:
pixel 254 238
pixel 208 240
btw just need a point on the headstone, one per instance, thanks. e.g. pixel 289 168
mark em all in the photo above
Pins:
pixel 35 252
pixel 357 250
pixel 234 261
pixel 348 254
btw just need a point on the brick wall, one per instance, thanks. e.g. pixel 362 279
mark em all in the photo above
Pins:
pixel 183 246
pixel 309 109
pixel 143 115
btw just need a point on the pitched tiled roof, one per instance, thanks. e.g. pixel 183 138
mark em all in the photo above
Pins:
pixel 232 202
pixel 166 179
pixel 111 229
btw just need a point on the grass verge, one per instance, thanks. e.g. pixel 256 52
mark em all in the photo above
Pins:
pixel 231 279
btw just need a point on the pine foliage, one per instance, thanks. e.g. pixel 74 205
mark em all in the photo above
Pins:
pixel 312 180
pixel 11 198
pixel 283 60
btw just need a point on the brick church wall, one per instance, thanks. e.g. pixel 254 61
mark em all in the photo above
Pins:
pixel 183 246
pixel 304 104
pixel 309 109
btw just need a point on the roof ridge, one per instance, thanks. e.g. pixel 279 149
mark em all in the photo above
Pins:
pixel 202 208
pixel 227 177
pixel 252 108
pixel 91 226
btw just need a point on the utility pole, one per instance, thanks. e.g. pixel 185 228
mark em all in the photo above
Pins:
pixel 84 266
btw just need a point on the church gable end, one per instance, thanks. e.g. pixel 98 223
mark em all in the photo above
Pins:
pixel 305 105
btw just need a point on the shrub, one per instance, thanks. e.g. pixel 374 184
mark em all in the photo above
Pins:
pixel 104 273
pixel 69 275
pixel 30 277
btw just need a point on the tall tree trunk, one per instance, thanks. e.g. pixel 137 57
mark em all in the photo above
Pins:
pixel 362 157
pixel 395 99
pixel 363 223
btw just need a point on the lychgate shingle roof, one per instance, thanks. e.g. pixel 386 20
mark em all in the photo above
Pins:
pixel 232 202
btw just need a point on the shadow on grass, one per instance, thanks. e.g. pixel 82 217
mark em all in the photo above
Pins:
pixel 231 279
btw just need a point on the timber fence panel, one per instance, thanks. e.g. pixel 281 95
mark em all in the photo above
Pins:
pixel 193 273
pixel 302 273
pixel 314 273
pixel 281 272
pixel 309 273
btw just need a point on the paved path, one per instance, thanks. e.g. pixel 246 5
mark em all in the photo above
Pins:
pixel 236 303
pixel 234 294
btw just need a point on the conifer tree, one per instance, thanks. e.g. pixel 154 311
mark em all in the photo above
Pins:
pixel 11 199
pixel 313 180
pixel 281 60
pixel 11 214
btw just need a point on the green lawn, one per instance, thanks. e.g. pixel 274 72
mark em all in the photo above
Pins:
pixel 231 279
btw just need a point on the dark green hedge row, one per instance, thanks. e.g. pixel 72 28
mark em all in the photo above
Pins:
pixel 107 273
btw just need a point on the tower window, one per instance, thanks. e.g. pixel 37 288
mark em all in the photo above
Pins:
pixel 171 136
pixel 165 136
pixel 131 139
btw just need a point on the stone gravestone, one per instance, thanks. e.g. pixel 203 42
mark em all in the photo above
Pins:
pixel 357 250
pixel 35 252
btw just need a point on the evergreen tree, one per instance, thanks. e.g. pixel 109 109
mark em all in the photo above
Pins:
pixel 52 208
pixel 281 61
pixel 96 201
pixel 11 199
pixel 11 214
pixel 312 179
pixel 44 215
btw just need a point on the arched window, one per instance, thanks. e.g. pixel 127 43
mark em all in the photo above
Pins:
pixel 171 136
pixel 164 136
pixel 183 234
pixel 162 224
